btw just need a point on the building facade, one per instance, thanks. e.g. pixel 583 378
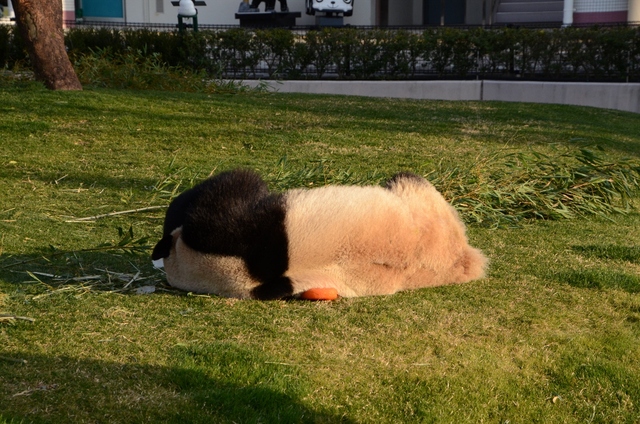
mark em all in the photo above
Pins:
pixel 587 11
pixel 366 12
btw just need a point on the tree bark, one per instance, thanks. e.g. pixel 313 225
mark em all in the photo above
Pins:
pixel 40 24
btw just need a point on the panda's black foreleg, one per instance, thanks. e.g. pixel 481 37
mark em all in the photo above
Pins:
pixel 278 288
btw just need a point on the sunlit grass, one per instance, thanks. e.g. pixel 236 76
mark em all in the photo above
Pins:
pixel 551 335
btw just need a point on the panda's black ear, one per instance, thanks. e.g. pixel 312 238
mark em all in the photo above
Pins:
pixel 162 248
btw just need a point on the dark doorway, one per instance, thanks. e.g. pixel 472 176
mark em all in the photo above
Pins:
pixel 382 7
pixel 454 12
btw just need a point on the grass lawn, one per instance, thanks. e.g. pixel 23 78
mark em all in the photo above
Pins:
pixel 551 335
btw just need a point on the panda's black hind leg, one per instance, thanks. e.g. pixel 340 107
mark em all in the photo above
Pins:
pixel 279 288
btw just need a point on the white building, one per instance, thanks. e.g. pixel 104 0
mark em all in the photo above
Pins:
pixel 367 12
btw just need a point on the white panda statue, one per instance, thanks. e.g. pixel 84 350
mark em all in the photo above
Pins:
pixel 230 236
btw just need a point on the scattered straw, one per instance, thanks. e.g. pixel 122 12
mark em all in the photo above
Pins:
pixel 16 360
pixel 130 211
pixel 41 388
pixel 106 281
pixel 12 318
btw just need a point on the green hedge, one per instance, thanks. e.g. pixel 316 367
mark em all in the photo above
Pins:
pixel 595 53
pixel 11 46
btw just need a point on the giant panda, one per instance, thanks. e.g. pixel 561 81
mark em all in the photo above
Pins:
pixel 231 236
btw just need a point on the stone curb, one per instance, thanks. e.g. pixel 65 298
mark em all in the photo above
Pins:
pixel 619 96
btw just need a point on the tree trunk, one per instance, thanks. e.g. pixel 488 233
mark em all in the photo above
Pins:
pixel 40 24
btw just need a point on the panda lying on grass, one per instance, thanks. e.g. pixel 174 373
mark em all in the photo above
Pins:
pixel 230 236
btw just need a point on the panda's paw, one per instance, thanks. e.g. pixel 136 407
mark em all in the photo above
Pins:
pixel 158 263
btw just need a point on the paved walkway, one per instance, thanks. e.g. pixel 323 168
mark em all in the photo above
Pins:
pixel 618 96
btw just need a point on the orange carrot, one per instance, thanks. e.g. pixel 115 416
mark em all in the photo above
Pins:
pixel 320 294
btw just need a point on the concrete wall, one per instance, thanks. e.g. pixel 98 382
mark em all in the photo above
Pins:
pixel 634 11
pixel 624 97
pixel 473 13
pixel 441 90
pixel 400 12
pixel 603 95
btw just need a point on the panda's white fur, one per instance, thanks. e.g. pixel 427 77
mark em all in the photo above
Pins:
pixel 359 240
pixel 197 272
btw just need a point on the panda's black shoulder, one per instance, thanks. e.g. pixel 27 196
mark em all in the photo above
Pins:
pixel 219 216
pixel 177 208
pixel 239 184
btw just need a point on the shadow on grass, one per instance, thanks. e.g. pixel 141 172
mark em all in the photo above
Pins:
pixel 213 382
pixel 603 278
pixel 609 251
pixel 599 279
pixel 216 383
pixel 84 181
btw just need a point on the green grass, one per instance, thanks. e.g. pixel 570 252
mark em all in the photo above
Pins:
pixel 551 335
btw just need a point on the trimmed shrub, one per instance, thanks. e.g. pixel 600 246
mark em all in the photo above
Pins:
pixel 585 54
pixel 12 49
